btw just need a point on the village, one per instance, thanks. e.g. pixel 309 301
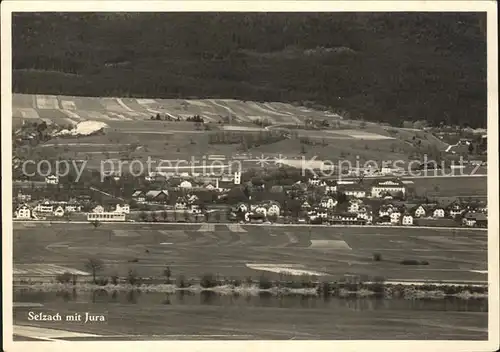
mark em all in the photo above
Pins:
pixel 246 199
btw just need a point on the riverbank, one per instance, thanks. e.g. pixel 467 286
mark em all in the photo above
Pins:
pixel 325 289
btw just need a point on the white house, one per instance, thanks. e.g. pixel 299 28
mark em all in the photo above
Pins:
pixel 45 207
pixel 273 210
pixel 322 213
pixel 305 205
pixel 180 203
pixel 469 220
pixel 314 181
pixel 392 187
pixel 356 192
pixel 438 213
pixel 353 206
pixel 23 212
pixel 72 208
pixel 195 209
pixel 385 210
pixel 328 202
pixel 260 209
pixel 365 214
pixel 52 180
pixel 395 216
pixel 59 211
pixel 122 208
pixel 456 210
pixel 420 212
pixel 186 184
pixel 407 220
pixel 330 186
pixel 98 209
pixel 242 207
pixel 210 187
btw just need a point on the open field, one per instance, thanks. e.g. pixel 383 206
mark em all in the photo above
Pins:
pixel 238 250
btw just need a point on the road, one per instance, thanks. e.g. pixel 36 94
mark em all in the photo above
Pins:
pixel 133 223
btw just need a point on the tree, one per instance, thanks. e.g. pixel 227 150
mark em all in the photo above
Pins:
pixel 164 215
pixel 167 273
pixel 471 148
pixel 143 216
pixel 341 197
pixel 154 217
pixel 94 265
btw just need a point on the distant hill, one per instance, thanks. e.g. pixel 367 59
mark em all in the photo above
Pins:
pixel 374 66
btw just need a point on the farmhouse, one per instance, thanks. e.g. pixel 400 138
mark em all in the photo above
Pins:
pixel 385 220
pixel 392 187
pixel 420 211
pixel 52 180
pixel 395 216
pixel 314 181
pixel 438 213
pixel 407 219
pixel 72 208
pixel 139 196
pixel 385 210
pixel 328 202
pixel 455 210
pixel 354 190
pixel 330 186
pixel 273 210
pixel 122 208
pixel 210 187
pixel 157 196
pixel 98 209
pixel 475 219
pixel 59 211
pixel 45 207
pixel 365 213
pixel 305 205
pixel 354 206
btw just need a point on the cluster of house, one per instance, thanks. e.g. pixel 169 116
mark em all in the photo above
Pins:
pixel 380 189
pixel 264 209
pixel 357 212
pixel 60 209
pixel 392 212
pixel 99 213
pixel 197 181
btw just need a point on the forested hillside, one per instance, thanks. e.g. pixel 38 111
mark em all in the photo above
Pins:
pixel 378 67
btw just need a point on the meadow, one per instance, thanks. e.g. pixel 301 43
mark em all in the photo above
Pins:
pixel 240 251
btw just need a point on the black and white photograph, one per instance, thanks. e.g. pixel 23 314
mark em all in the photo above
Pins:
pixel 248 172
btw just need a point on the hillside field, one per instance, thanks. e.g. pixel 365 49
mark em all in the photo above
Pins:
pixel 129 124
